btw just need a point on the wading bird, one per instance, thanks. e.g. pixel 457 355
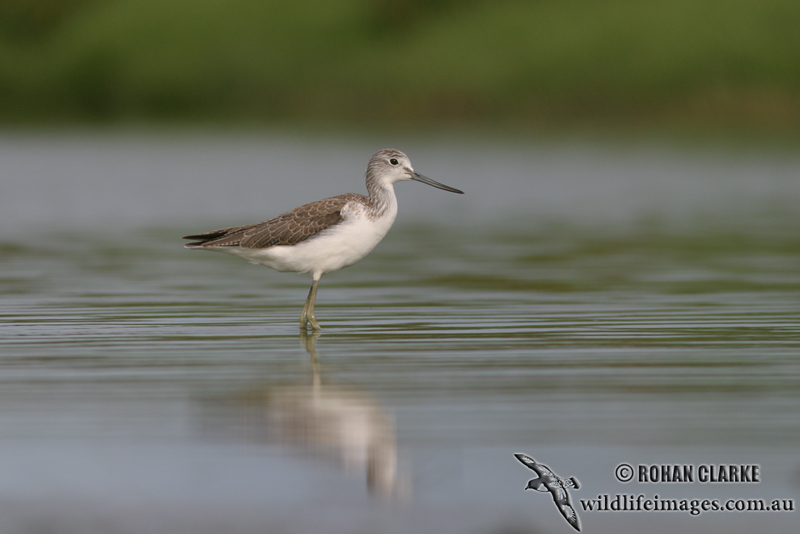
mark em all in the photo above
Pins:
pixel 325 235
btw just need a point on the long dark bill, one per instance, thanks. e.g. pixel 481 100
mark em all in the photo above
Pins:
pixel 417 177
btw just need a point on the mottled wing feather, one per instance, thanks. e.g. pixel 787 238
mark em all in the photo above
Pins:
pixel 545 471
pixel 570 515
pixel 526 460
pixel 290 228
pixel 295 226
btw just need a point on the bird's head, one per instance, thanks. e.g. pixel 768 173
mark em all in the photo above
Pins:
pixel 388 166
pixel 534 484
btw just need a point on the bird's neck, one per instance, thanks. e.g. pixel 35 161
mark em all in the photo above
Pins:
pixel 381 197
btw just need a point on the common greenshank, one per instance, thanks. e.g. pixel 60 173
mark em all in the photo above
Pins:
pixel 325 235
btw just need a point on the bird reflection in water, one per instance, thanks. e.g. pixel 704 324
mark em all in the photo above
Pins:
pixel 339 421
pixel 326 420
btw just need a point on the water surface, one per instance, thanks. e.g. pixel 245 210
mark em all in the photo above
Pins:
pixel 587 305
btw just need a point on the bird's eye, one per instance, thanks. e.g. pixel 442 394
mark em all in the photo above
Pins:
pixel 393 161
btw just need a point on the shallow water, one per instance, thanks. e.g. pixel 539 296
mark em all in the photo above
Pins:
pixel 586 305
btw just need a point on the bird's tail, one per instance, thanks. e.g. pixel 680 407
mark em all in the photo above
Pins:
pixel 201 240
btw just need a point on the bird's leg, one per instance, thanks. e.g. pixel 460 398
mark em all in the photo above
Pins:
pixel 307 317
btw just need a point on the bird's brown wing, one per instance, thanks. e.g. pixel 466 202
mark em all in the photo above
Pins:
pixel 290 228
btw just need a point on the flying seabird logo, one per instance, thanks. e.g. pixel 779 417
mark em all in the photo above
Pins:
pixel 557 486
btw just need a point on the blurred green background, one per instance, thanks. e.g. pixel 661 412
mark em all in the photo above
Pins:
pixel 697 64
